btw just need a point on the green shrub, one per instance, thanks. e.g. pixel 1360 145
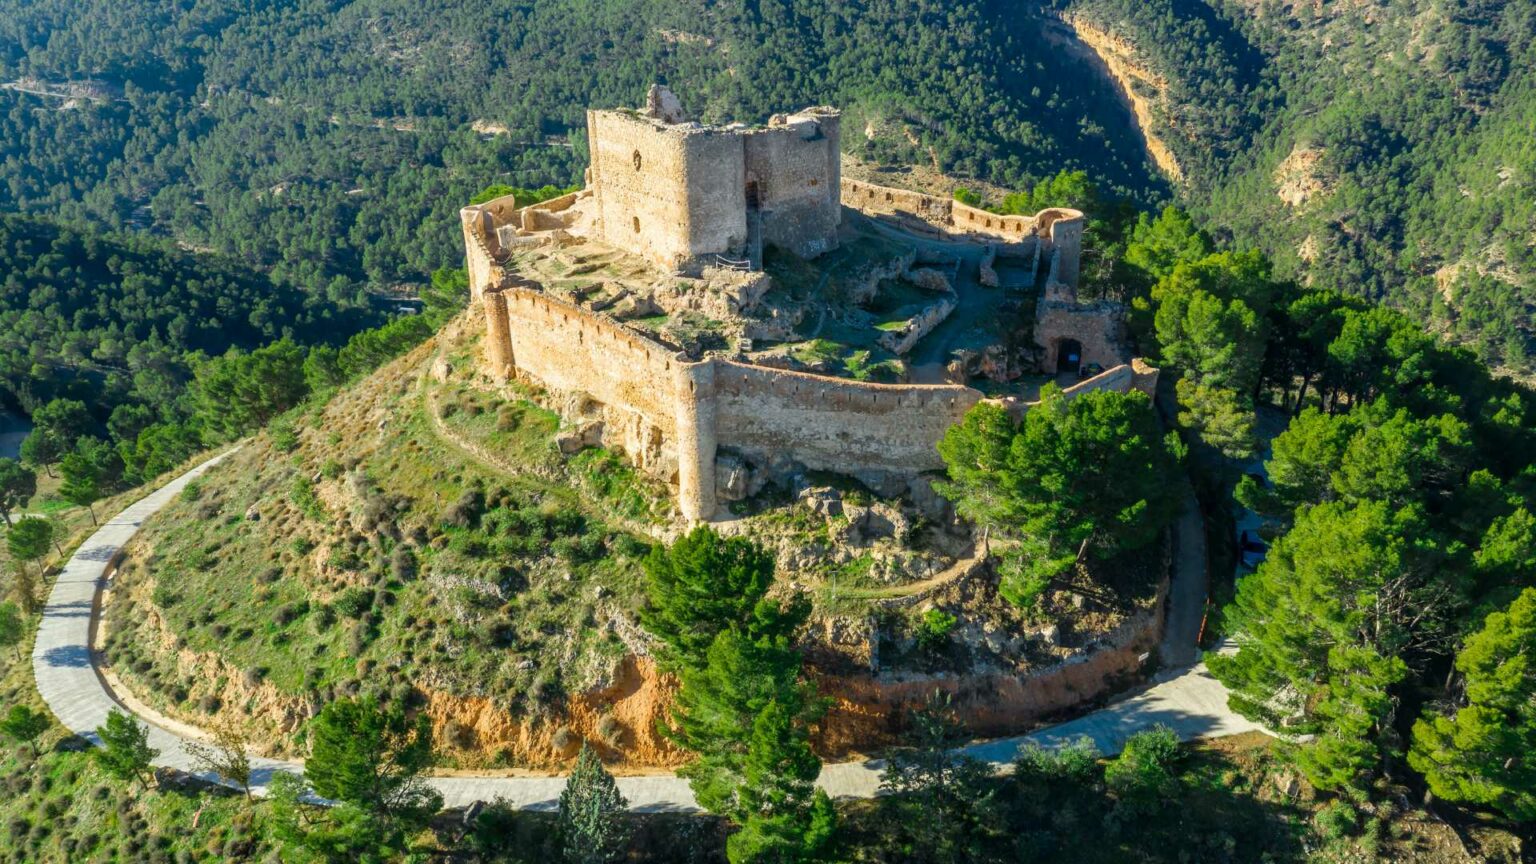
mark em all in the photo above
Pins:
pixel 164 596
pixel 933 629
pixel 1141 777
pixel 402 564
pixel 1337 821
pixel 303 496
pixel 285 439
pixel 354 602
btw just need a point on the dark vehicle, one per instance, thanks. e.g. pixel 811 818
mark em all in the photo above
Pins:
pixel 1251 550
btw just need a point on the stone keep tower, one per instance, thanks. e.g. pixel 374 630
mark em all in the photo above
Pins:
pixel 684 195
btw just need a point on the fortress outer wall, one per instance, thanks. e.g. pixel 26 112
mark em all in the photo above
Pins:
pixel 833 424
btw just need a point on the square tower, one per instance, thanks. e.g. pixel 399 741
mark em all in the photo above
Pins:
pixel 685 195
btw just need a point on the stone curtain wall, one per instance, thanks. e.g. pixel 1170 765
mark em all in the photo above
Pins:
pixel 834 424
pixel 978 221
pixel 670 416
pixel 945 213
pixel 1057 231
pixel 633 391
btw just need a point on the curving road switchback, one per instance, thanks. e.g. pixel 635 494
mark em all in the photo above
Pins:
pixel 1188 700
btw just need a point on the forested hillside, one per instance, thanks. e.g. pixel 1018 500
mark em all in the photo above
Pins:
pixel 334 142
pixel 1382 149
pixel 110 319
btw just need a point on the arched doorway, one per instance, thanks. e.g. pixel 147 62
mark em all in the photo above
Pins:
pixel 1069 356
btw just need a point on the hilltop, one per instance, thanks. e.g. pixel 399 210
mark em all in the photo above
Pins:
pixel 421 536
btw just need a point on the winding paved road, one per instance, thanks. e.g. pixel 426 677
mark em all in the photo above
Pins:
pixel 1189 700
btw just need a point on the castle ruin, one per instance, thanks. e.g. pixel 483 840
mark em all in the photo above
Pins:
pixel 686 197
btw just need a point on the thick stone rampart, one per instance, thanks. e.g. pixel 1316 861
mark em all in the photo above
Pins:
pixel 834 424
pixel 671 416
pixel 600 372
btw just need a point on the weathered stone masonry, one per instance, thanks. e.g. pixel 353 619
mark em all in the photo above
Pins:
pixel 681 194
pixel 672 416
pixel 677 193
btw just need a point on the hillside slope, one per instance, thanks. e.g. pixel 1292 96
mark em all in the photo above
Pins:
pixel 335 141
pixel 1380 149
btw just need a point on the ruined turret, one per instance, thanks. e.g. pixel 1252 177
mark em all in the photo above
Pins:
pixel 664 105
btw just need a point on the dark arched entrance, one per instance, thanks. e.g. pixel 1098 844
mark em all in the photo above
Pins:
pixel 1069 356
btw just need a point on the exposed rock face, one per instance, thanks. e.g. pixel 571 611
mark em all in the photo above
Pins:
pixel 734 478
pixel 871 710
pixel 1299 178
pixel 585 433
pixel 929 279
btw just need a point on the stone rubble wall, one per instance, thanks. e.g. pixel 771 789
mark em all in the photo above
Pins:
pixel 920 325
pixel 873 710
pixel 1056 231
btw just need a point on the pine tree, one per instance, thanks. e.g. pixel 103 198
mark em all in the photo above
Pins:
pixel 944 802
pixel 28 541
pixel 591 822
pixel 1481 753
pixel 703 584
pixel 1088 475
pixel 125 752
pixel 12 627
pixel 372 756
pixel 24 725
pixel 224 756
pixel 82 482
pixel 17 486
pixel 1323 626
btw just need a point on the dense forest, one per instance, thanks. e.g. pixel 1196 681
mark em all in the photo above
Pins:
pixel 1385 150
pixel 333 143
